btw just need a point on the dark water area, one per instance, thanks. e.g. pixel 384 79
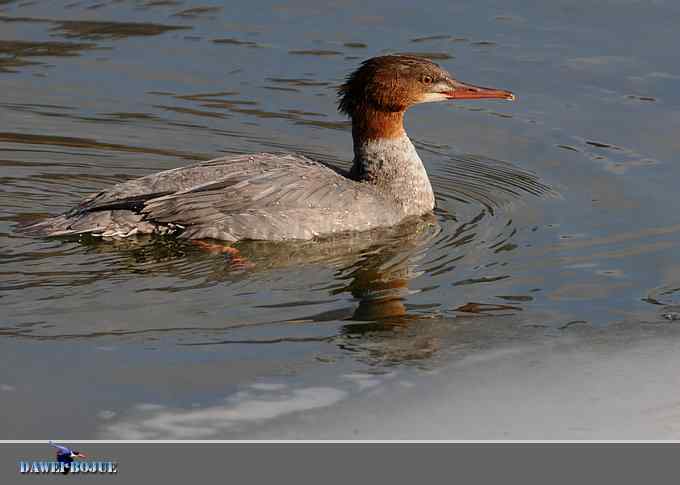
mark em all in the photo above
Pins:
pixel 554 216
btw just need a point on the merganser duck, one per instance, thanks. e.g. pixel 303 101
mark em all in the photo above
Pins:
pixel 276 197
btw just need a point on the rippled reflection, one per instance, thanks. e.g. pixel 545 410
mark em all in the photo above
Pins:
pixel 374 269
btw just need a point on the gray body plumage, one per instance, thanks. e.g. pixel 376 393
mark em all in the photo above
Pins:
pixel 289 197
pixel 393 166
pixel 256 197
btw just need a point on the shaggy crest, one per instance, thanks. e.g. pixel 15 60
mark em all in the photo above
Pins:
pixel 388 83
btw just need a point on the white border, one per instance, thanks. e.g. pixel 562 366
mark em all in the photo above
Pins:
pixel 164 442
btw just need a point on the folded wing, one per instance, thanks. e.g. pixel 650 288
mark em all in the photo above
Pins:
pixel 262 196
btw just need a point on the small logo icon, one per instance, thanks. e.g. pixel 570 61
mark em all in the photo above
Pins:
pixel 68 461
pixel 66 456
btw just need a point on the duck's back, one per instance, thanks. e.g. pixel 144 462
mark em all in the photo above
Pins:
pixel 261 196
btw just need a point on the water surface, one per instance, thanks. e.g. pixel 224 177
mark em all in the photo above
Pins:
pixel 554 214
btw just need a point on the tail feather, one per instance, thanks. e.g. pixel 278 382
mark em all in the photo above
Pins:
pixel 112 223
pixel 52 226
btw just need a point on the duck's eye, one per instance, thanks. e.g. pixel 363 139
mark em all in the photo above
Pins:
pixel 427 79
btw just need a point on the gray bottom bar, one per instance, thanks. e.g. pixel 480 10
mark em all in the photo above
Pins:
pixel 193 464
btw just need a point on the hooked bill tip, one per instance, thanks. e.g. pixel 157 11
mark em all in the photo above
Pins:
pixel 511 97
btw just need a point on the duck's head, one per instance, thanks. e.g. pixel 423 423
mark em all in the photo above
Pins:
pixel 394 83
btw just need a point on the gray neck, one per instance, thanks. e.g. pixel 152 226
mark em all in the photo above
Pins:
pixel 393 166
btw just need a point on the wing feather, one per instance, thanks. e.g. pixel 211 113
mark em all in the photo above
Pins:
pixel 262 196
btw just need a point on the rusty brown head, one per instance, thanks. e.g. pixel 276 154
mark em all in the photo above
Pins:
pixel 393 83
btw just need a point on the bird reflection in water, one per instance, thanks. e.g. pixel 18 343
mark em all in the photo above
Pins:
pixel 376 268
pixel 379 264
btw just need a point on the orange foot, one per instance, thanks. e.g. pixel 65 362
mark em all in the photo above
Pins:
pixel 234 254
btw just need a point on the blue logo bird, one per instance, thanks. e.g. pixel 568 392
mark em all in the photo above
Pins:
pixel 66 455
